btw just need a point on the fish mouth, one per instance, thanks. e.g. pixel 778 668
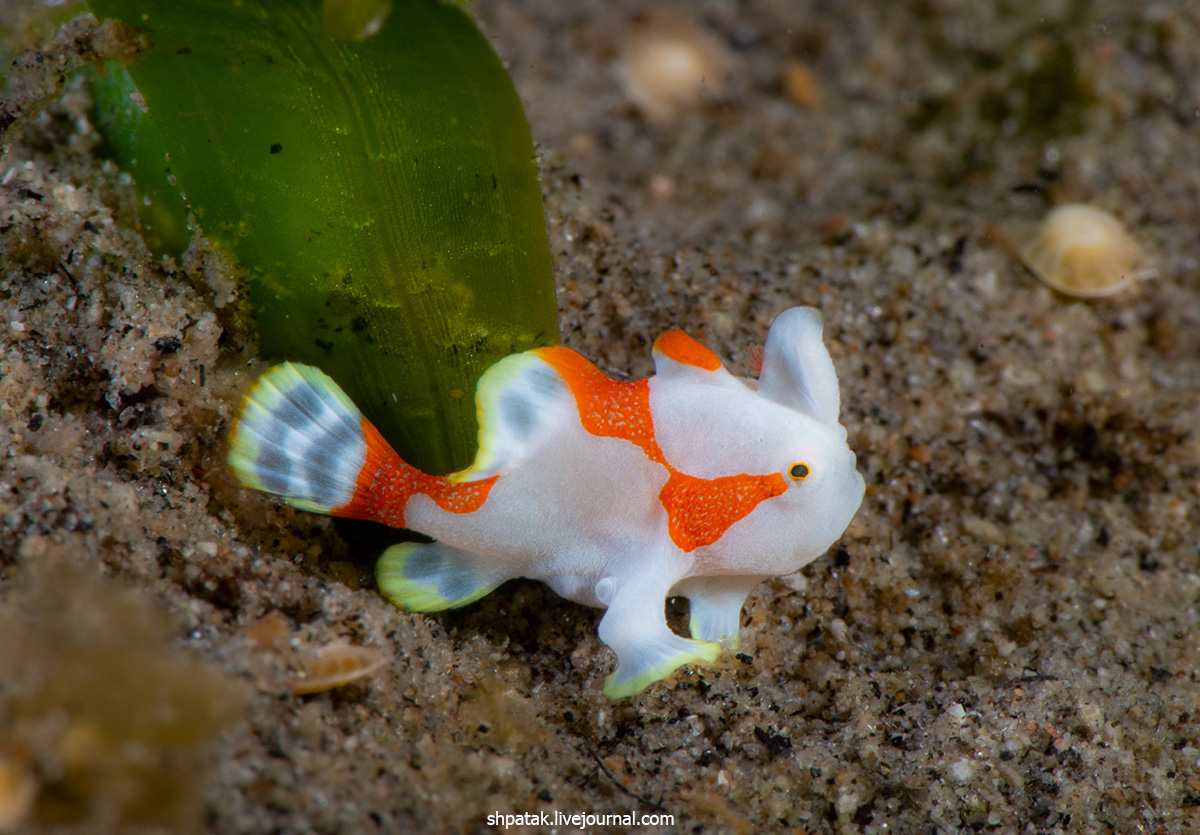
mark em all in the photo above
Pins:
pixel 852 487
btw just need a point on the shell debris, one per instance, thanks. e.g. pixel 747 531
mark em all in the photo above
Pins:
pixel 1082 251
pixel 801 87
pixel 335 665
pixel 669 65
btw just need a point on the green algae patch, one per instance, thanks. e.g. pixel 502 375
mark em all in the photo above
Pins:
pixel 377 182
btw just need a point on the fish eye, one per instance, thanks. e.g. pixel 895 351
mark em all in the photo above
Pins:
pixel 799 471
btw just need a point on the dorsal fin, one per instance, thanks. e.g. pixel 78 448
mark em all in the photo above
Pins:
pixel 520 401
pixel 677 353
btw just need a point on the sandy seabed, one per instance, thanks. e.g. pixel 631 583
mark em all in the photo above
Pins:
pixel 1006 638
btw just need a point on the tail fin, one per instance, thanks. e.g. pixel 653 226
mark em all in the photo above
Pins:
pixel 299 436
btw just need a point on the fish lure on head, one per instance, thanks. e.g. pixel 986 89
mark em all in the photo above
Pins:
pixel 693 483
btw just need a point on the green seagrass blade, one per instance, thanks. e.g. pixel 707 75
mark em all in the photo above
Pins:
pixel 380 189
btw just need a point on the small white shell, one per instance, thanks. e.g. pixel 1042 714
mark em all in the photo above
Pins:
pixel 669 65
pixel 1082 251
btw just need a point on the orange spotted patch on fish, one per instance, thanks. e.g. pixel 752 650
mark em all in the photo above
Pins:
pixel 386 482
pixel 607 408
pixel 700 510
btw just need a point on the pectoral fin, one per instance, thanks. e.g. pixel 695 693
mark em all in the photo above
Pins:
pixel 635 626
pixel 716 606
pixel 653 657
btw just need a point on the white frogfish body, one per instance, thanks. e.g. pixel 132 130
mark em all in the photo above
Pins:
pixel 616 494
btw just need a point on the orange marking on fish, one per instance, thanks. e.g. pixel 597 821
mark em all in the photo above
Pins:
pixel 700 510
pixel 607 408
pixel 386 482
pixel 680 347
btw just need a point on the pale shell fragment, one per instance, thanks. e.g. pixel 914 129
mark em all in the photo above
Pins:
pixel 335 665
pixel 669 65
pixel 1082 251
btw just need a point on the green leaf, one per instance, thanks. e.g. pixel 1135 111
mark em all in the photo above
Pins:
pixel 133 139
pixel 381 192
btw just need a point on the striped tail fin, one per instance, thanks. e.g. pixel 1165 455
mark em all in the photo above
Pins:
pixel 299 436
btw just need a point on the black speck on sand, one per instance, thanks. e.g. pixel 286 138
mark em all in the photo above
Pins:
pixel 1009 642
